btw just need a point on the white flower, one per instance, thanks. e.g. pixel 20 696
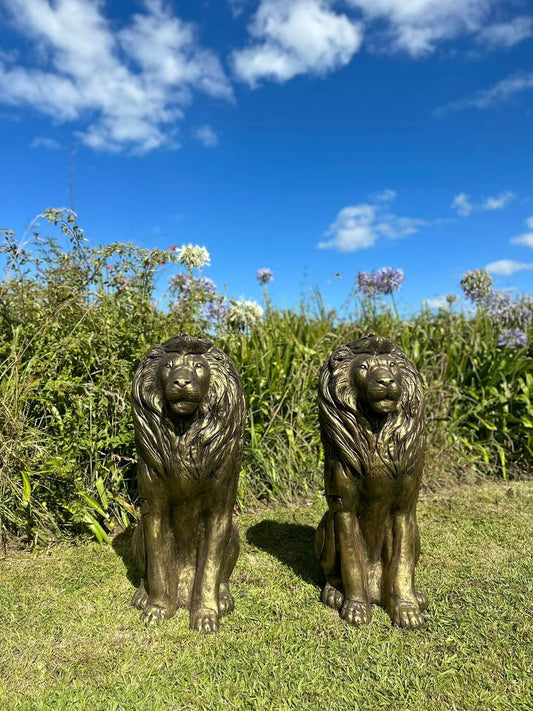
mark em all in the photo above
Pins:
pixel 244 314
pixel 192 256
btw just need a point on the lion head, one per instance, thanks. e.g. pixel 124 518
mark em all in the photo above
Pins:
pixel 188 406
pixel 371 402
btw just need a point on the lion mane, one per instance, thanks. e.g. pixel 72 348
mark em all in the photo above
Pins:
pixel 351 433
pixel 194 448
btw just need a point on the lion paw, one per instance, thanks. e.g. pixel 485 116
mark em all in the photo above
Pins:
pixel 154 614
pixel 355 612
pixel 408 615
pixel 225 603
pixel 332 597
pixel 204 620
pixel 422 600
pixel 140 597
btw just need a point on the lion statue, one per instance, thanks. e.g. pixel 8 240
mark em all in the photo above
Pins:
pixel 189 414
pixel 372 422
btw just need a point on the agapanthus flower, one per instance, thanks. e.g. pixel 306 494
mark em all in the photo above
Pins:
pixel 512 338
pixel 383 281
pixel 502 310
pixel 217 311
pixel 193 257
pixel 244 314
pixel 476 284
pixel 202 285
pixel 390 279
pixel 264 275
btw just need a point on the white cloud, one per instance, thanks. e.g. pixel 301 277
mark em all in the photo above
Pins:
pixel 506 267
pixel 416 26
pixel 49 143
pixel 499 93
pixel 437 302
pixel 296 37
pixel 464 206
pixel 529 223
pixel 461 203
pixel 384 196
pixel 506 34
pixel 353 229
pixel 206 135
pixel 360 226
pixel 127 88
pixel 237 7
pixel 526 239
pixel 498 202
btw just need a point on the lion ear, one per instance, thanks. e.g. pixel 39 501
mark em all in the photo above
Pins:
pixel 341 353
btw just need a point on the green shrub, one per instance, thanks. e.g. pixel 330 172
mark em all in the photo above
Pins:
pixel 76 319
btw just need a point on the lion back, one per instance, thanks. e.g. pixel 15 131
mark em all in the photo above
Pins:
pixel 217 429
pixel 346 433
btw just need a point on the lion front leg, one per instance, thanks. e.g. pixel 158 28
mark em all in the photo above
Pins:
pixel 159 600
pixel 402 601
pixel 351 546
pixel 212 553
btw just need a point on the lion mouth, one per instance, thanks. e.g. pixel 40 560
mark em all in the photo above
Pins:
pixel 177 395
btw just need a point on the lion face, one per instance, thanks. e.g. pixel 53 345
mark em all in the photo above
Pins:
pixel 184 380
pixel 378 382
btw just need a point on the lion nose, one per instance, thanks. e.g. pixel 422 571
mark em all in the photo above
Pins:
pixel 181 382
pixel 385 381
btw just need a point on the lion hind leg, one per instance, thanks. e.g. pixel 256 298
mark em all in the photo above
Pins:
pixel 226 602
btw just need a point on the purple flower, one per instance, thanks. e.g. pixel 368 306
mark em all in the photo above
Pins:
pixel 512 338
pixel 476 284
pixel 264 276
pixel 202 286
pixel 390 279
pixel 216 311
pixel 383 281
pixel 502 310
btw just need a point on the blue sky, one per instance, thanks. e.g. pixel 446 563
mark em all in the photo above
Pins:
pixel 313 137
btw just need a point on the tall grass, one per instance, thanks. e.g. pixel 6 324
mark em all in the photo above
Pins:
pixel 76 319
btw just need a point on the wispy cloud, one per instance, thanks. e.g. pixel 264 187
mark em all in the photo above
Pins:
pixel 437 302
pixel 464 206
pixel 526 238
pixel 206 135
pixel 360 226
pixel 237 6
pixel 496 94
pixel 507 267
pixel 125 88
pixel 49 144
pixel 296 37
pixel 498 202
pixel 292 37
pixel 417 26
pixel 506 34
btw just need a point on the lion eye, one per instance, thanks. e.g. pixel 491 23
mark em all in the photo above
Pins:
pixel 198 365
pixel 363 366
pixel 168 365
pixel 392 364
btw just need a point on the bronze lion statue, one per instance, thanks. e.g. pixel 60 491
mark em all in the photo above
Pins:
pixel 189 414
pixel 372 423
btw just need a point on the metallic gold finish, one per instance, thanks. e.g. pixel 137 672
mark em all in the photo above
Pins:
pixel 189 413
pixel 372 422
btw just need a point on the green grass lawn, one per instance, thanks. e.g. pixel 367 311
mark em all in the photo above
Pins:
pixel 70 640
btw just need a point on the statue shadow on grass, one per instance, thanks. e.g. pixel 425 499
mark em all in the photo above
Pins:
pixel 122 547
pixel 292 544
